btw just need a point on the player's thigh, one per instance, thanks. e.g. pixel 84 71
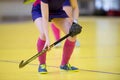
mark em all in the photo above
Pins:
pixel 38 23
pixel 68 10
pixel 63 24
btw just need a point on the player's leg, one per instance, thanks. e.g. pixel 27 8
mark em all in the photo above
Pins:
pixel 56 33
pixel 40 45
pixel 36 16
pixel 64 25
pixel 68 10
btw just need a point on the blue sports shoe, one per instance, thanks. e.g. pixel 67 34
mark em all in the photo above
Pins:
pixel 42 69
pixel 68 67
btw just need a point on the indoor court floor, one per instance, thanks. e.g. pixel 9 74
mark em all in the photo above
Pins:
pixel 98 57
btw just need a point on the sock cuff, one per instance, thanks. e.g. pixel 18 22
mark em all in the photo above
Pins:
pixel 68 42
pixel 42 42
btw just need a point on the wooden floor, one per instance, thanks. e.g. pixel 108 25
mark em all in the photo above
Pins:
pixel 98 57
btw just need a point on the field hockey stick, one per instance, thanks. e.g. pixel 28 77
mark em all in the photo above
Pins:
pixel 23 63
pixel 74 30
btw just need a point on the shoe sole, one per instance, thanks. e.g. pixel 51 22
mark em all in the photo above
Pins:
pixel 70 70
pixel 43 72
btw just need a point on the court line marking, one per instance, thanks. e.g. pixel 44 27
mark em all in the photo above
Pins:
pixel 88 70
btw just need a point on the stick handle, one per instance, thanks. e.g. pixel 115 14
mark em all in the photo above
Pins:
pixel 22 63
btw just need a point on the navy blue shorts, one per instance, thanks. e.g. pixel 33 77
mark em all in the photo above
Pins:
pixel 36 13
pixel 67 3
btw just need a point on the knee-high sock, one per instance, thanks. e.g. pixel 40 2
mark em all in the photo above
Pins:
pixel 40 45
pixel 67 51
pixel 56 32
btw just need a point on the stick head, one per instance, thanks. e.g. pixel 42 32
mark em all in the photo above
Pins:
pixel 21 64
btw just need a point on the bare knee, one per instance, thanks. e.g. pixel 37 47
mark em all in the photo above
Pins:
pixel 42 36
pixel 72 38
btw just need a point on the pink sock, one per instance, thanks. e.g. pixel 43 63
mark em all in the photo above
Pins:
pixel 67 51
pixel 56 32
pixel 40 45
